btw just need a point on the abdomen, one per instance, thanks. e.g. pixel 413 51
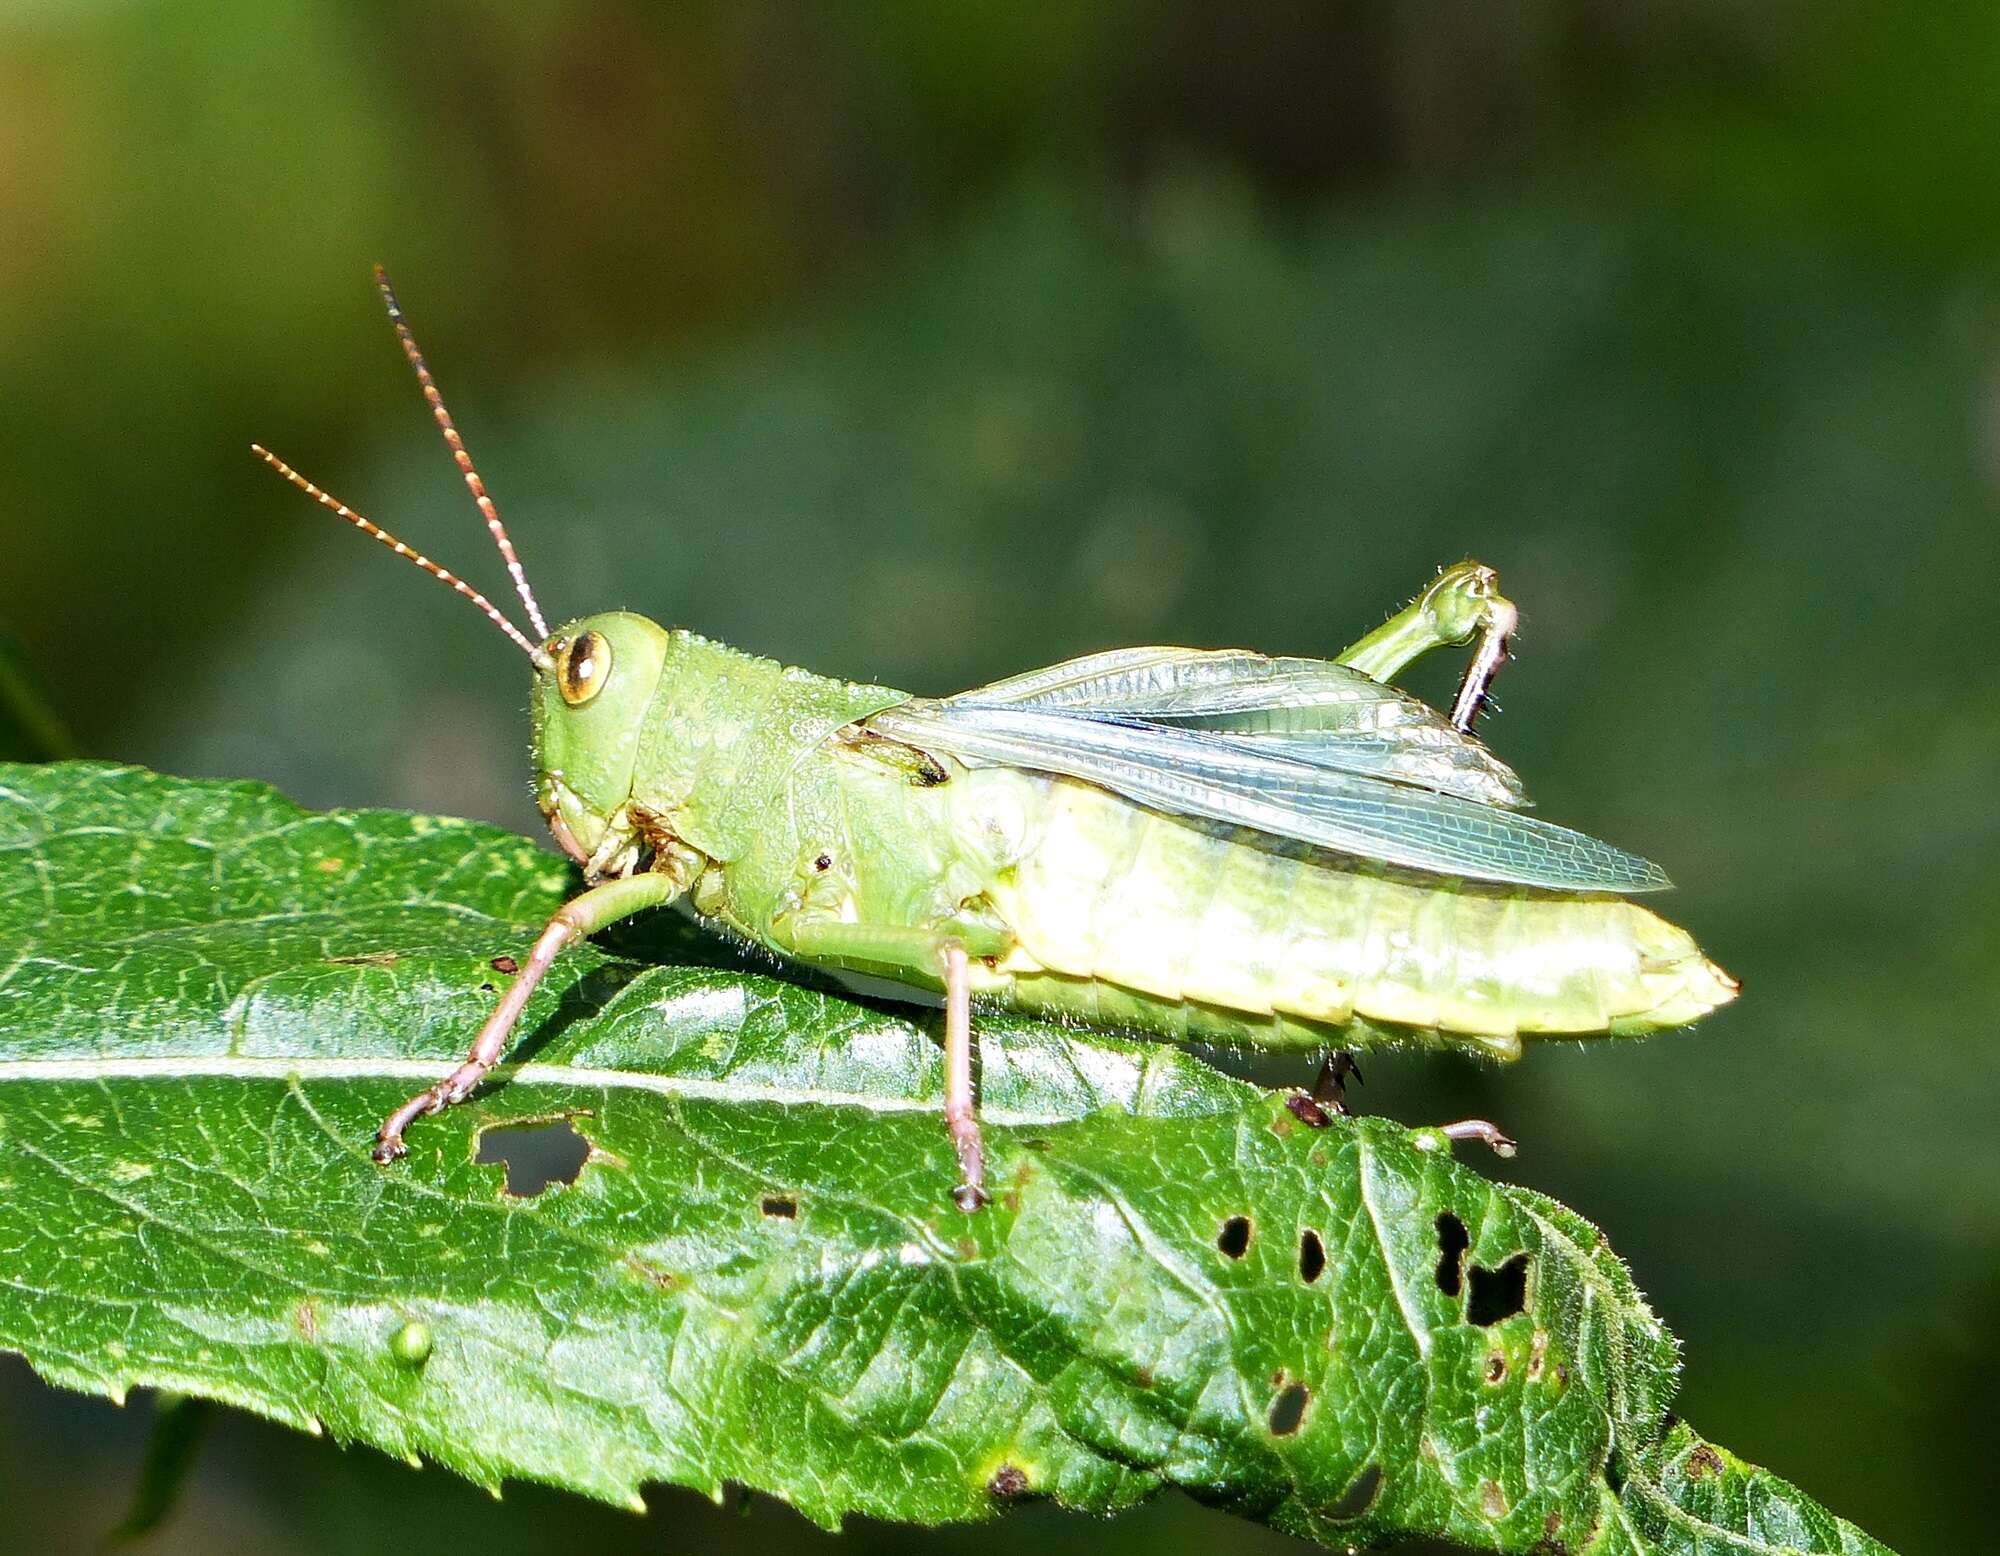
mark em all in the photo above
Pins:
pixel 1129 918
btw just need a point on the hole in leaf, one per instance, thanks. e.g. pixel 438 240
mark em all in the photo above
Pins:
pixel 1496 1368
pixel 1360 1496
pixel 1289 1409
pixel 1497 1294
pixel 536 1155
pixel 781 1207
pixel 1234 1238
pixel 1312 1256
pixel 1452 1243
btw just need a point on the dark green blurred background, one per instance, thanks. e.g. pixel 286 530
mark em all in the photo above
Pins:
pixel 926 343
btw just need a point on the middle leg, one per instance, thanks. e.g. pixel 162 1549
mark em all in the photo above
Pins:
pixel 944 953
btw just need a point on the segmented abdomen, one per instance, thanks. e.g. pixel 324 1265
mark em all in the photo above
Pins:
pixel 1129 917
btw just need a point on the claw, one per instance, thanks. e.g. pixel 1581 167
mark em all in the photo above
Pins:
pixel 1331 1086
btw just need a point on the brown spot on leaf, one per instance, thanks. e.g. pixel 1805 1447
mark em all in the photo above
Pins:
pixel 1008 1481
pixel 780 1207
pixel 504 964
pixel 646 1270
pixel 1703 1462
pixel 306 1317
pixel 1496 1368
pixel 1307 1111
pixel 1492 1500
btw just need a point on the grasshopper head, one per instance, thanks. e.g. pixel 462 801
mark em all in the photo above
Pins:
pixel 592 691
pixel 594 677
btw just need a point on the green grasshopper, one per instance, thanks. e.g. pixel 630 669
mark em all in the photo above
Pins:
pixel 1208 846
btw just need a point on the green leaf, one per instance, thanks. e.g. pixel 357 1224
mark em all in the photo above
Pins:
pixel 756 1276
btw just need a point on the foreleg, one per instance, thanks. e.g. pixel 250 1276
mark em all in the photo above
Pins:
pixel 1462 603
pixel 576 919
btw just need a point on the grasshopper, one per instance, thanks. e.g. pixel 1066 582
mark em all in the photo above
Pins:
pixel 1198 845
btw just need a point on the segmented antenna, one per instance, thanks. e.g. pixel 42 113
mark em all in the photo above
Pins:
pixel 457 445
pixel 369 527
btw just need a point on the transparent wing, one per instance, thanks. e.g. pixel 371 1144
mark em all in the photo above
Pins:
pixel 1307 710
pixel 1231 779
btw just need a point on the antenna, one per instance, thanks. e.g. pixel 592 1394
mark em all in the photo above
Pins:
pixel 443 575
pixel 457 445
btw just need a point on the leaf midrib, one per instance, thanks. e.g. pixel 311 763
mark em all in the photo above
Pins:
pixel 425 1071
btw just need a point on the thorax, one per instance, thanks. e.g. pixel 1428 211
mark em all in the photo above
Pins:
pixel 858 835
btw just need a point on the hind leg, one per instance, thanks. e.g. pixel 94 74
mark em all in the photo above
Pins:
pixel 1463 604
pixel 1329 1096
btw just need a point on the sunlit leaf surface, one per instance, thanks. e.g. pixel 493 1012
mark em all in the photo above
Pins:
pixel 748 1270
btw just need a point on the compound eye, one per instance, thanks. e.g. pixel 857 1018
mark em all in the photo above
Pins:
pixel 582 667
